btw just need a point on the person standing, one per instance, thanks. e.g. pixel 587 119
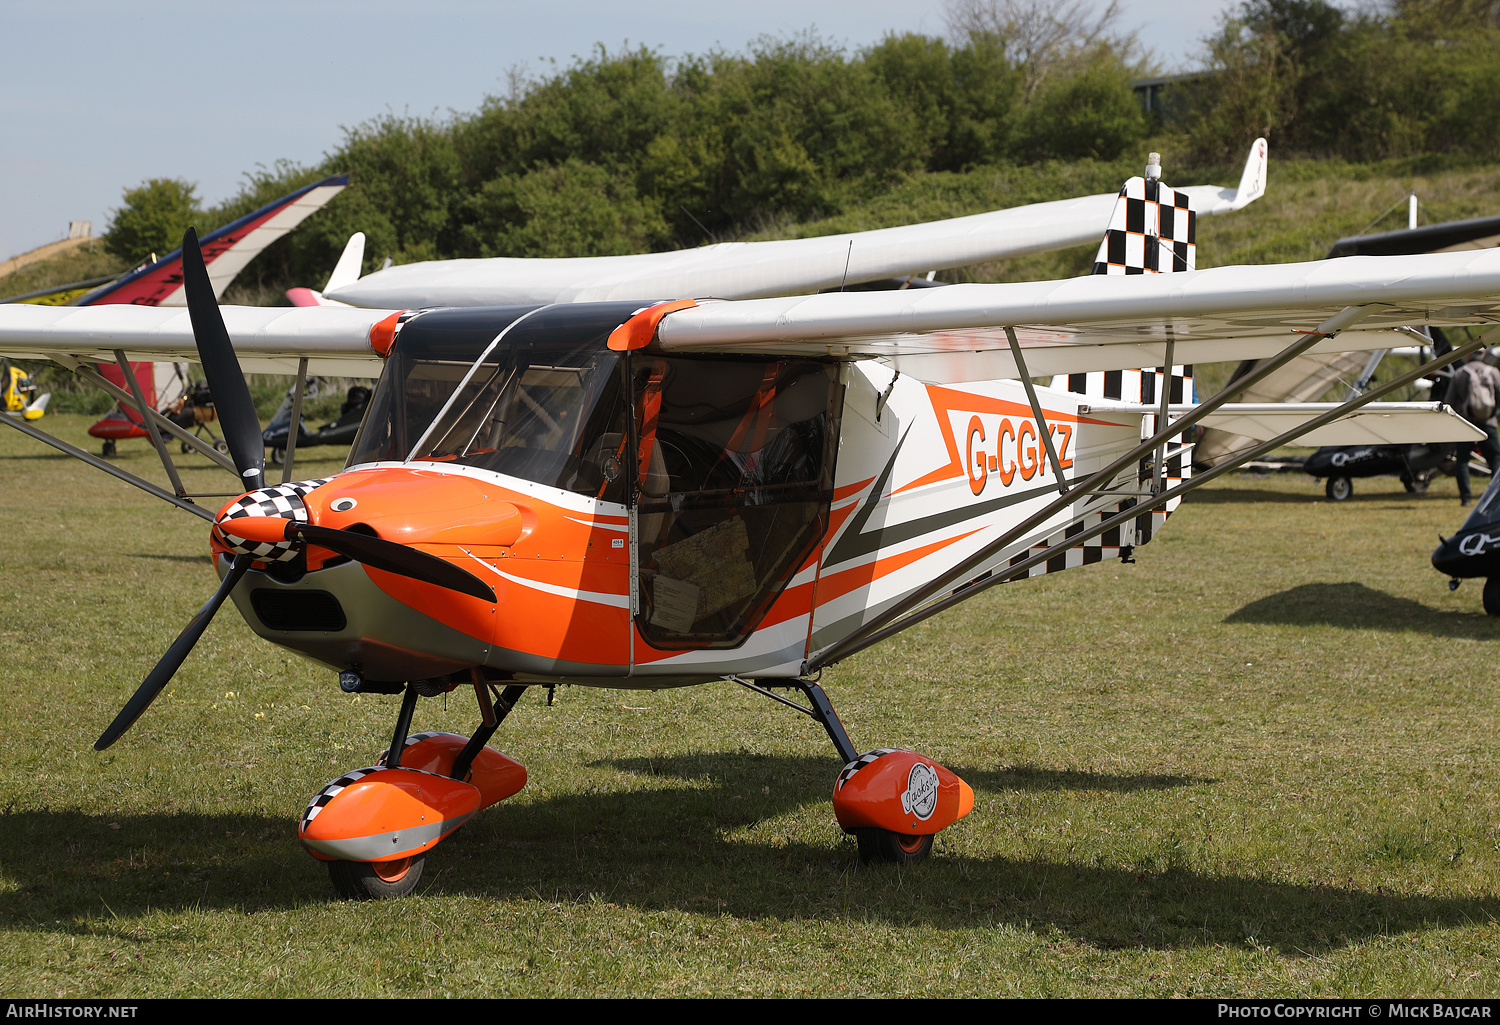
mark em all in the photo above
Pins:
pixel 1473 394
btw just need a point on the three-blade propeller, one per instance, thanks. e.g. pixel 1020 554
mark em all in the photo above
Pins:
pixel 236 414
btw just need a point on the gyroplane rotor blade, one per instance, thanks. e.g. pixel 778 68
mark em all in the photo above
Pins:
pixel 160 676
pixel 221 367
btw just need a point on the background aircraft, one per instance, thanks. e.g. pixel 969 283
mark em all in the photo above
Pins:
pixel 1474 549
pixel 897 257
pixel 1309 377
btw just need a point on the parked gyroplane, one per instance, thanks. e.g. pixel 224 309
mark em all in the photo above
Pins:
pixel 649 494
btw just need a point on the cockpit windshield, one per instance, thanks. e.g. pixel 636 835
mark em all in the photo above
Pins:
pixel 532 392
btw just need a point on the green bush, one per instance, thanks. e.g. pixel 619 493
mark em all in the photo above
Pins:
pixel 1419 76
pixel 629 152
pixel 153 218
pixel 1091 114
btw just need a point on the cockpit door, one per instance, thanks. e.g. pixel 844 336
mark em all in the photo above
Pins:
pixel 733 476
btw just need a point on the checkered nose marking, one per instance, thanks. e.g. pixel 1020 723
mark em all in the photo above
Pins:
pixel 281 501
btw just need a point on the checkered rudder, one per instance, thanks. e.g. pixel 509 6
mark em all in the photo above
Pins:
pixel 1152 230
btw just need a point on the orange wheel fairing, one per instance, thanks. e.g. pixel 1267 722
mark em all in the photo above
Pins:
pixel 901 792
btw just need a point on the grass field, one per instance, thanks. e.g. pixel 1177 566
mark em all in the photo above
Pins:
pixel 1262 760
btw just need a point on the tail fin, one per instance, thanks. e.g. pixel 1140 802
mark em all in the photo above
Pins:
pixel 1253 178
pixel 1144 386
pixel 345 272
pixel 1152 229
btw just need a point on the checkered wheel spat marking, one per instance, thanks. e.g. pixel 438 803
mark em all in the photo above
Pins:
pixel 861 762
pixel 332 790
pixel 1153 229
pixel 413 738
pixel 284 500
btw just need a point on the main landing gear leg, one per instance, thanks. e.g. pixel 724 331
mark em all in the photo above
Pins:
pixel 893 801
pixel 403 727
pixel 494 714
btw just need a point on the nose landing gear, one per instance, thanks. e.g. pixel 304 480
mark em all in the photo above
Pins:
pixel 374 826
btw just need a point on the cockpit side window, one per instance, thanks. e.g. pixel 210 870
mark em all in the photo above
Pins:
pixel 409 394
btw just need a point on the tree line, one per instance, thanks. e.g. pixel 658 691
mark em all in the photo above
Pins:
pixel 631 151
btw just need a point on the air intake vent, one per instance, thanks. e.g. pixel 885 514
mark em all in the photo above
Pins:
pixel 298 610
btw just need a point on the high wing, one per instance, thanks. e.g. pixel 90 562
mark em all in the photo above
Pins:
pixel 945 335
pixel 956 334
pixel 747 270
pixel 268 339
pixel 1448 237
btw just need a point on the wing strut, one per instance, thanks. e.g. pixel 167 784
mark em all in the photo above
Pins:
pixel 879 627
pixel 296 421
pixel 1036 407
pixel 1159 463
pixel 100 464
pixel 895 621
pixel 89 374
pixel 156 442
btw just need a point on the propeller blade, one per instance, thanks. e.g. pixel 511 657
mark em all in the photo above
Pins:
pixel 394 558
pixel 158 678
pixel 221 367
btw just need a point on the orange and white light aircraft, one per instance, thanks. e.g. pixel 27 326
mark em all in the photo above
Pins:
pixel 666 491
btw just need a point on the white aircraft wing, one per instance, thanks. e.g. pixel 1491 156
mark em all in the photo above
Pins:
pixel 1101 322
pixel 1380 423
pixel 268 339
pixel 747 270
pixel 1106 322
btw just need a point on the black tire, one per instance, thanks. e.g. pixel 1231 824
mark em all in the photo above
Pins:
pixel 883 847
pixel 1339 489
pixel 1416 484
pixel 1492 595
pixel 372 880
pixel 186 448
pixel 278 456
pixel 109 448
pixel 221 446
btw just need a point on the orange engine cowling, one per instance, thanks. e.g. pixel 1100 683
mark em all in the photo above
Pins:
pixel 380 814
pixel 494 774
pixel 901 791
